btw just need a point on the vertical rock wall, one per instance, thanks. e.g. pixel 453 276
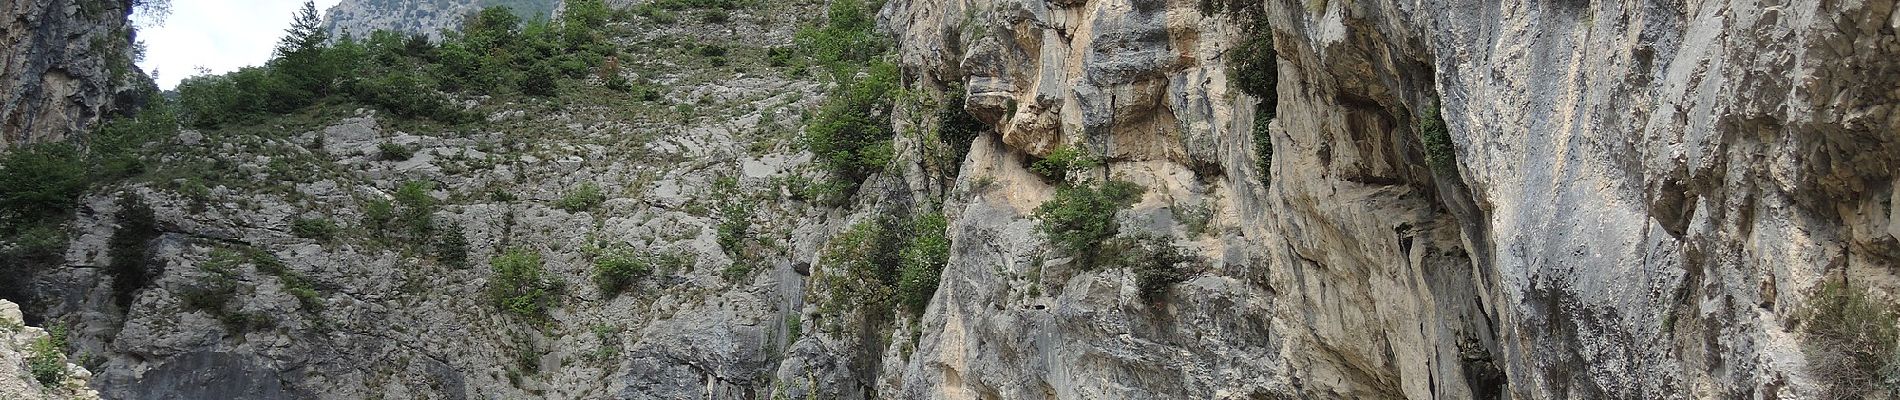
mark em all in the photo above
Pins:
pixel 1644 194
pixel 66 65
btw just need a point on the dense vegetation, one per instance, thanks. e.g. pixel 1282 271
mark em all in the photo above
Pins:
pixel 45 358
pixel 884 264
pixel 1060 163
pixel 851 133
pixel 409 76
pixel 1082 217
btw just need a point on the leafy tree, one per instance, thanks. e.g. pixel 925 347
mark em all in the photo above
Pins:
pixel 40 182
pixel 851 133
pixel 519 286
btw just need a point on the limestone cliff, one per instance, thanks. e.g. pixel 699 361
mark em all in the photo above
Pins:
pixel 1380 199
pixel 1642 198
pixel 66 65
pixel 31 367
pixel 360 18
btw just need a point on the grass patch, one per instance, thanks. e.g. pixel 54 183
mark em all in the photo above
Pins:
pixel 1853 344
pixel 583 198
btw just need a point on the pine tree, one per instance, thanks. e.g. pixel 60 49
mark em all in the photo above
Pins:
pixel 306 32
pixel 300 55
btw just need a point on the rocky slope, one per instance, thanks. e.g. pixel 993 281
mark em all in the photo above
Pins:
pixel 25 358
pixel 66 65
pixel 1425 200
pixel 363 17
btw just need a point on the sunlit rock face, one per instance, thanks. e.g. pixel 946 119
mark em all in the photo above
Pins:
pixel 1629 201
pixel 1642 196
pixel 67 65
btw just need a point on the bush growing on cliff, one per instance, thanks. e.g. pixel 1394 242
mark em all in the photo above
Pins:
pixel 1063 162
pixel 924 256
pixel 1082 217
pixel 847 39
pixel 127 250
pixel 518 285
pixel 1854 343
pixel 618 270
pixel 1437 140
pixel 314 228
pixel 40 182
pixel 957 128
pixel 46 362
pixel 1255 65
pixel 583 198
pixel 1157 263
pixel 851 134
pixel 860 268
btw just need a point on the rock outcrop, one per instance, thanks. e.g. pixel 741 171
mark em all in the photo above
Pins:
pixel 67 64
pixel 26 354
pixel 1435 200
pixel 360 18
pixel 1641 200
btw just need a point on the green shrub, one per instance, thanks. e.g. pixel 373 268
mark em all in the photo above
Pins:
pixel 847 39
pixel 394 152
pixel 583 198
pixel 379 216
pixel 314 228
pixel 1853 343
pixel 735 215
pixel 779 57
pixel 40 183
pixel 1157 264
pixel 924 258
pixel 957 128
pixel 418 208
pixel 1064 161
pixel 518 285
pixel 860 268
pixel 657 14
pixel 1255 64
pixel 451 247
pixel 1082 217
pixel 851 133
pixel 619 270
pixel 715 16
pixel 128 249
pixel 406 94
pixel 1439 152
pixel 46 362
pixel 540 81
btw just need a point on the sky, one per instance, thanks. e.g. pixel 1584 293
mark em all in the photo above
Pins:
pixel 221 35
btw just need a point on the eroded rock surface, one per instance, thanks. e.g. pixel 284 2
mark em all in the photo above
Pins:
pixel 67 64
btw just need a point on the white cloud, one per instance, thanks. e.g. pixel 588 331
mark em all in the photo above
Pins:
pixel 222 35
